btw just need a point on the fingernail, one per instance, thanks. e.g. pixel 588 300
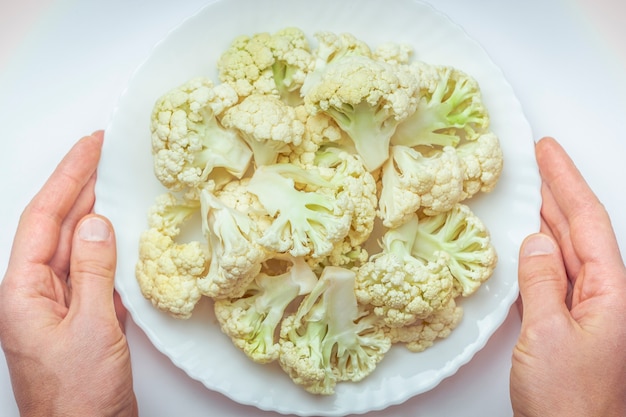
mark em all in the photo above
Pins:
pixel 538 244
pixel 94 229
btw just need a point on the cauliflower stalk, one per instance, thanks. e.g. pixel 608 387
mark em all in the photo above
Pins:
pixel 466 240
pixel 401 286
pixel 331 338
pixel 368 99
pixel 188 142
pixel 330 180
pixel 252 320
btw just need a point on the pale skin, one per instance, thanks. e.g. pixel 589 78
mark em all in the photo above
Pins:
pixel 570 359
pixel 61 324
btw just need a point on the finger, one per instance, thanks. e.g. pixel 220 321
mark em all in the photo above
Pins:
pixel 590 228
pixel 83 206
pixel 542 280
pixel 554 221
pixel 92 268
pixel 120 311
pixel 44 215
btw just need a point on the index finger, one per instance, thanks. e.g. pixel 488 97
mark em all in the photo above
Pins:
pixel 576 217
pixel 39 228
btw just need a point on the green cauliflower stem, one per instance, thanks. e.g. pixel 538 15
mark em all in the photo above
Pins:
pixel 367 99
pixel 167 271
pixel 465 238
pixel 188 141
pixel 400 286
pixel 331 338
pixel 450 107
pixel 305 222
pixel 236 257
pixel 266 124
pixel 252 320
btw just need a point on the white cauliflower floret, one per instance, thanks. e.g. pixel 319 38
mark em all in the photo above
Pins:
pixel 411 180
pixel 330 48
pixel 331 338
pixel 188 142
pixel 267 125
pixel 236 256
pixel 482 162
pixel 268 64
pixel 305 222
pixel 450 108
pixel 251 320
pixel 400 286
pixel 166 271
pixel 367 99
pixel 466 240
pixel 423 333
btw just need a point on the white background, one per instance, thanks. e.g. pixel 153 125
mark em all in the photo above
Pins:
pixel 64 63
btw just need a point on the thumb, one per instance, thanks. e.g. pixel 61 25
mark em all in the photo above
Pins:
pixel 92 267
pixel 542 278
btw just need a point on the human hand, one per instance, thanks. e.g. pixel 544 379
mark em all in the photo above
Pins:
pixel 61 327
pixel 570 359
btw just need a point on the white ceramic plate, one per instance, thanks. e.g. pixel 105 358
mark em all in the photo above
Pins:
pixel 126 188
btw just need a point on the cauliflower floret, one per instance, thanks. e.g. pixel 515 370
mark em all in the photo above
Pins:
pixel 450 108
pixel 268 64
pixel 236 257
pixel 267 125
pixel 412 180
pixel 423 333
pixel 189 145
pixel 367 99
pixel 400 286
pixel 394 53
pixel 251 321
pixel 167 271
pixel 330 48
pixel 305 222
pixel 331 338
pixel 482 162
pixel 348 176
pixel 465 238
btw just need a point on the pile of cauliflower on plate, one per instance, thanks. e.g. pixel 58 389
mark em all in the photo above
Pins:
pixel 330 180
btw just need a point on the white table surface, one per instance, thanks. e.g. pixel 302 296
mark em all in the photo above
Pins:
pixel 64 63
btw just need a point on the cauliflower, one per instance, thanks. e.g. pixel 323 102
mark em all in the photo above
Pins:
pixel 268 64
pixel 423 333
pixel 330 48
pixel 188 142
pixel 251 321
pixel 482 163
pixel 236 256
pixel 466 240
pixel 450 107
pixel 331 338
pixel 348 176
pixel 167 271
pixel 401 286
pixel 410 180
pixel 267 125
pixel 305 222
pixel 368 99
pixel 329 183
